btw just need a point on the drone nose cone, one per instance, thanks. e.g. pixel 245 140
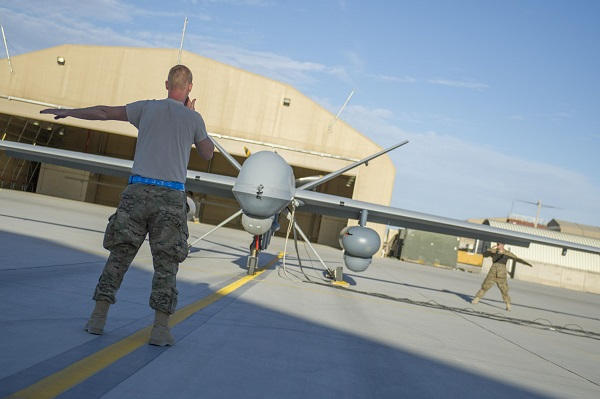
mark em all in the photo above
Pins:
pixel 264 185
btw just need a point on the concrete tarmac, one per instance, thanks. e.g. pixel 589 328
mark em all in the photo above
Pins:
pixel 397 330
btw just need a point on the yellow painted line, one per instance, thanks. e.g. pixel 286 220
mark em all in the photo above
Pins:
pixel 65 379
pixel 340 283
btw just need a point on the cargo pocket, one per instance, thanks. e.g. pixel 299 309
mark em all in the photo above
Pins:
pixel 122 230
pixel 109 234
pixel 182 246
pixel 180 237
pixel 169 234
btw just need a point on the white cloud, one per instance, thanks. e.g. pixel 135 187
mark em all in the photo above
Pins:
pixel 552 116
pixel 259 3
pixel 459 83
pixel 375 113
pixel 30 32
pixel 32 28
pixel 446 176
pixel 101 10
pixel 265 63
pixel 396 79
pixel 36 24
pixel 106 10
pixel 356 61
pixel 561 115
pixel 564 114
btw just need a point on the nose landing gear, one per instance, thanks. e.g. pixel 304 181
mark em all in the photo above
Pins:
pixel 252 261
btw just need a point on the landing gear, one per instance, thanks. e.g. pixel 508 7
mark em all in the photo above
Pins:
pixel 252 261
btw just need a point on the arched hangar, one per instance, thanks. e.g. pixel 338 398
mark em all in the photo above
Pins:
pixel 245 112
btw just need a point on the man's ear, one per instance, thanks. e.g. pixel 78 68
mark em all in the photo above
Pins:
pixel 167 84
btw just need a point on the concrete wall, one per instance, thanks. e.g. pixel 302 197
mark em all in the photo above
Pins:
pixel 553 275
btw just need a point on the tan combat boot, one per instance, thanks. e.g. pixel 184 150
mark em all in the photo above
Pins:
pixel 508 306
pixel 95 324
pixel 160 335
pixel 475 300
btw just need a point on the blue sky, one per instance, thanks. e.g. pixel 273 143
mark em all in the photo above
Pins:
pixel 500 100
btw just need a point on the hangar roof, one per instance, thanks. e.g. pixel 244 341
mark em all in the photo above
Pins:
pixel 574 228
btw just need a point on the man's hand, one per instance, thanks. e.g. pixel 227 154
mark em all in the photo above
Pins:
pixel 59 113
pixel 190 104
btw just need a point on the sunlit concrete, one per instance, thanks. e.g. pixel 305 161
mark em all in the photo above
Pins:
pixel 398 330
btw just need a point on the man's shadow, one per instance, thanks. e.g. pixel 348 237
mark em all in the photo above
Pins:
pixel 464 297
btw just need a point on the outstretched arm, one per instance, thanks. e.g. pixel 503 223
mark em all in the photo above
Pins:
pixel 517 259
pixel 98 112
pixel 523 262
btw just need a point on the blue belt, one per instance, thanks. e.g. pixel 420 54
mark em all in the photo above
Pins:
pixel 175 185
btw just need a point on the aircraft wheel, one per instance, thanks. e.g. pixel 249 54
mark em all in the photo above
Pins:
pixel 252 261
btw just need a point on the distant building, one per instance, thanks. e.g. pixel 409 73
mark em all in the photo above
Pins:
pixel 574 270
pixel 574 228
pixel 423 247
pixel 473 245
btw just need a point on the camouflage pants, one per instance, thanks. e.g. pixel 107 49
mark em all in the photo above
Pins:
pixel 497 275
pixel 159 212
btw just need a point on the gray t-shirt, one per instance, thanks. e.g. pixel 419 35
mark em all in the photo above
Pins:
pixel 166 131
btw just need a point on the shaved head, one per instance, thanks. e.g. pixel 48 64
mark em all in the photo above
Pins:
pixel 180 77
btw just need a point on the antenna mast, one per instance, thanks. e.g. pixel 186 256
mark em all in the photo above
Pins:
pixel 6 47
pixel 340 111
pixel 181 44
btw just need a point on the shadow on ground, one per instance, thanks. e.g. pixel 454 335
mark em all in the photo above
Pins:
pixel 230 348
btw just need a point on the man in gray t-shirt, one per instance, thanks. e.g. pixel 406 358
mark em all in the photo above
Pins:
pixel 154 201
pixel 166 130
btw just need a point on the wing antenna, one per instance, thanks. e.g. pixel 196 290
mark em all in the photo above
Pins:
pixel 227 155
pixel 338 172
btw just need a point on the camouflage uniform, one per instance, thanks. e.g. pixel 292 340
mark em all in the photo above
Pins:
pixel 497 273
pixel 143 209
